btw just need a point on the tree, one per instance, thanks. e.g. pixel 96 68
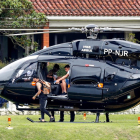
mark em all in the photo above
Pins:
pixel 20 14
pixel 131 37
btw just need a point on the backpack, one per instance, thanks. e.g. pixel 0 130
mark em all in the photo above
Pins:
pixel 46 87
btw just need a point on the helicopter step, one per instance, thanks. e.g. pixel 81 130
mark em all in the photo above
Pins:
pixel 58 97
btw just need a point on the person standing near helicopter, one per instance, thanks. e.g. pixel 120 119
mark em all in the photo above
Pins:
pixel 42 99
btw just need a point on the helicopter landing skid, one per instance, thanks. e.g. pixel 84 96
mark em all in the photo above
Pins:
pixel 35 121
pixel 60 122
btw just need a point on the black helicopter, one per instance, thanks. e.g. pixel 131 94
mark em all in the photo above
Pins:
pixel 105 74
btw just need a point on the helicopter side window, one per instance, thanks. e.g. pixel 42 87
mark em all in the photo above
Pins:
pixel 26 73
pixel 86 76
pixel 58 51
pixel 85 81
pixel 123 61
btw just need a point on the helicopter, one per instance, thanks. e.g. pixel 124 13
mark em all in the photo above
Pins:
pixel 105 74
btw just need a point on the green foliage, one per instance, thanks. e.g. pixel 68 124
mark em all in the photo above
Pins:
pixel 20 14
pixel 61 71
pixel 132 38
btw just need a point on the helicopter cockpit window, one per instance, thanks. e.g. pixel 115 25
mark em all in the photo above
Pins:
pixel 58 51
pixel 26 73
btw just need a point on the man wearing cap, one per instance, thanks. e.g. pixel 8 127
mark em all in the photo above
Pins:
pixel 42 98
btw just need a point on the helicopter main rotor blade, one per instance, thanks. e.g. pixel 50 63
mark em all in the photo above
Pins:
pixel 126 29
pixel 31 29
pixel 33 33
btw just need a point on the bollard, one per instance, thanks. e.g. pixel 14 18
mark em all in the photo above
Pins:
pixel 138 120
pixel 9 122
pixel 84 116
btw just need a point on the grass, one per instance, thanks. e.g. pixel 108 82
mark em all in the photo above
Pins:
pixel 123 127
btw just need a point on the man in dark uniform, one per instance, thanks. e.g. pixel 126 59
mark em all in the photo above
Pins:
pixel 72 116
pixel 42 99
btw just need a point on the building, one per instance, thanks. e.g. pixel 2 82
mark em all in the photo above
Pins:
pixel 70 13
pixel 64 14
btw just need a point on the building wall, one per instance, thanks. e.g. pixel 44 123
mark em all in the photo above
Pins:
pixel 45 37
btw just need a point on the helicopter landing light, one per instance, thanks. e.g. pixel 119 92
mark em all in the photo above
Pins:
pixel 87 65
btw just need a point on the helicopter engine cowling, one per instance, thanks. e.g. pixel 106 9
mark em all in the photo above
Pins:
pixel 106 49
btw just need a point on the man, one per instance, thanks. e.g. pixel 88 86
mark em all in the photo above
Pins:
pixel 64 84
pixel 65 81
pixel 42 99
pixel 52 76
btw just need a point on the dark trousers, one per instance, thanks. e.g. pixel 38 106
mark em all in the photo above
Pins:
pixel 72 115
pixel 43 104
pixel 52 112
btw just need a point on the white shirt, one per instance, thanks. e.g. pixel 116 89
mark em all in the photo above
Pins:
pixel 68 72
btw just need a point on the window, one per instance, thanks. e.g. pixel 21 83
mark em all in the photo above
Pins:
pixel 59 51
pixel 26 73
pixel 123 61
pixel 85 75
pixel 84 81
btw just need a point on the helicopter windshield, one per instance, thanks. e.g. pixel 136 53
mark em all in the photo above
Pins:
pixel 26 72
pixel 7 72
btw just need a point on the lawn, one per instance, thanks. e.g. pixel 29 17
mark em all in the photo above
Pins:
pixel 123 127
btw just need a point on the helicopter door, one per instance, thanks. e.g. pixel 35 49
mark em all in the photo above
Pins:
pixel 114 80
pixel 21 84
pixel 84 83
